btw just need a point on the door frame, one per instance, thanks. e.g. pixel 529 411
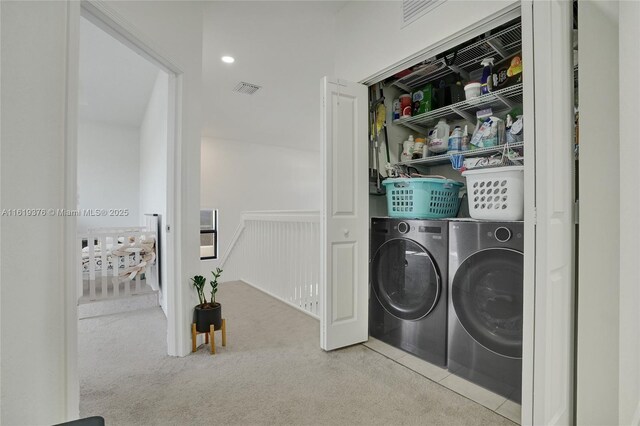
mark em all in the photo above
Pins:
pixel 108 20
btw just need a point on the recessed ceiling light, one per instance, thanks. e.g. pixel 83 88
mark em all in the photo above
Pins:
pixel 228 59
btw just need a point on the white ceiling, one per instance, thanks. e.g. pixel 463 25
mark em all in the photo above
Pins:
pixel 285 47
pixel 115 82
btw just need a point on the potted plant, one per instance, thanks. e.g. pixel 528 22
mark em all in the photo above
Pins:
pixel 207 313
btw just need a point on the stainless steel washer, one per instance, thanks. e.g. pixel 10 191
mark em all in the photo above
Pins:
pixel 485 315
pixel 408 281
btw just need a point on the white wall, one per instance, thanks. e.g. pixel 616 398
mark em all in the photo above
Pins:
pixel 599 240
pixel 36 360
pixel 370 38
pixel 240 176
pixel 153 162
pixel 33 42
pixel 108 173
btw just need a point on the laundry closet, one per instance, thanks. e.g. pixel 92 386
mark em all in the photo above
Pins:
pixel 447 250
pixel 454 188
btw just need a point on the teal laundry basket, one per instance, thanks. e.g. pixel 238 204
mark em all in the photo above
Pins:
pixel 422 198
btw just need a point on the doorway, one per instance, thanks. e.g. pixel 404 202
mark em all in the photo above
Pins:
pixel 157 173
pixel 122 176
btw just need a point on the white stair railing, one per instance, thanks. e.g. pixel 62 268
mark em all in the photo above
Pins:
pixel 278 252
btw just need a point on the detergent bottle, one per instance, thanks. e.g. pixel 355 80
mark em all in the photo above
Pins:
pixel 439 142
pixel 407 149
pixel 485 82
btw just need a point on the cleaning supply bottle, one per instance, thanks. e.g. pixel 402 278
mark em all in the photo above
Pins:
pixel 464 143
pixel 455 141
pixel 485 82
pixel 407 149
pixel 508 123
pixel 418 148
pixel 439 143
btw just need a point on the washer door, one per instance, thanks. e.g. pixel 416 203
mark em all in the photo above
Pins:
pixel 486 294
pixel 405 279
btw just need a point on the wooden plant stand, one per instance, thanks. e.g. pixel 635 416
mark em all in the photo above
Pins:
pixel 208 335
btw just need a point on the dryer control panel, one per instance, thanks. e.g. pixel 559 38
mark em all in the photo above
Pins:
pixel 503 234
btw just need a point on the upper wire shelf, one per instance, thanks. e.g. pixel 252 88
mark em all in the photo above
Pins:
pixel 503 44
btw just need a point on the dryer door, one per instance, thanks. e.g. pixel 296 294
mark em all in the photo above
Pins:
pixel 405 279
pixel 486 294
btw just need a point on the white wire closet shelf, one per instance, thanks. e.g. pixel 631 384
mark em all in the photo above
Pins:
pixel 498 100
pixel 446 158
pixel 499 45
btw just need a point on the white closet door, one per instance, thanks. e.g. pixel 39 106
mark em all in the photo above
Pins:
pixel 552 384
pixel 629 339
pixel 345 215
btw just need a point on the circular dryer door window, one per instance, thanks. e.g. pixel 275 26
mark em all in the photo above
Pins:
pixel 486 294
pixel 405 279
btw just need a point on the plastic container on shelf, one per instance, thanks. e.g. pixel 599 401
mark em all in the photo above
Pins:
pixel 396 109
pixel 418 148
pixel 508 122
pixel 405 105
pixel 455 141
pixel 517 130
pixel 472 90
pixel 464 142
pixel 422 198
pixel 439 141
pixel 496 193
pixel 422 100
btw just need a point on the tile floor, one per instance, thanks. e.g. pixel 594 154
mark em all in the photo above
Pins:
pixel 482 396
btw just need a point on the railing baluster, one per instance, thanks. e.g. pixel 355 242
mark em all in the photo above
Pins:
pixel 92 268
pixel 104 270
pixel 307 269
pixel 290 281
pixel 299 263
pixel 137 260
pixel 80 271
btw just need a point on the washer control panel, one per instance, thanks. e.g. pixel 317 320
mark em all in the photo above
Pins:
pixel 503 234
pixel 403 227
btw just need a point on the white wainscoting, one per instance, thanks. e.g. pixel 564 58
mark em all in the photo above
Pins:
pixel 278 252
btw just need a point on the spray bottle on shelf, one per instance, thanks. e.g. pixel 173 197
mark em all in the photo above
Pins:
pixel 485 82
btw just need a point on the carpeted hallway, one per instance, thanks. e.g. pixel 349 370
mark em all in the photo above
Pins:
pixel 271 372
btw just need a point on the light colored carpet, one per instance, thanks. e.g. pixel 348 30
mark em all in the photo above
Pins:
pixel 271 372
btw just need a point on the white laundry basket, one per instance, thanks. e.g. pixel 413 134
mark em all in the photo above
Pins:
pixel 496 193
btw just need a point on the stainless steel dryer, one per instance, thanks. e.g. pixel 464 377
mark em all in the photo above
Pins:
pixel 408 281
pixel 485 299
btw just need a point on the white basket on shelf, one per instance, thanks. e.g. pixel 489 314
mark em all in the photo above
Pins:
pixel 496 193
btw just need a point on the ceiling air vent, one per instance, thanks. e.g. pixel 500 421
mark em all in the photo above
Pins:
pixel 246 88
pixel 414 9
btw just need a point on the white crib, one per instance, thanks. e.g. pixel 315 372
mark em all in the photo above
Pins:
pixel 117 262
